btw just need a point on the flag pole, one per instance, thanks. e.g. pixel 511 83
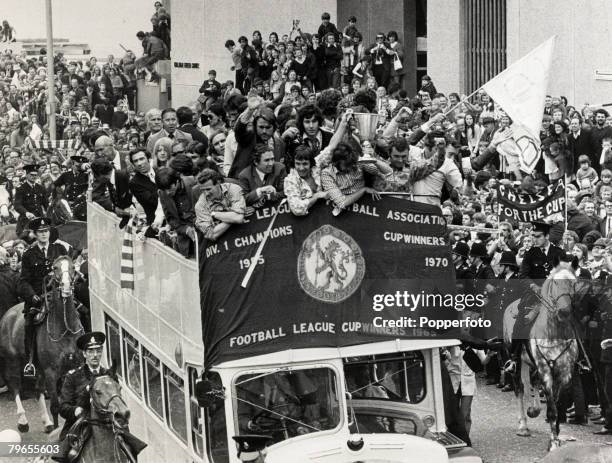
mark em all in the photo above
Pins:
pixel 565 191
pixel 255 258
pixel 50 70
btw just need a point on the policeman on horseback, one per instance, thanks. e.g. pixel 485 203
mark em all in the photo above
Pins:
pixel 74 396
pixel 36 265
pixel 535 268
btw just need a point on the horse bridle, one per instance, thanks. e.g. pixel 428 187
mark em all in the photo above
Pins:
pixel 105 410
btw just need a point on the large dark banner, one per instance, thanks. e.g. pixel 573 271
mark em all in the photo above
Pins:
pixel 379 271
pixel 548 205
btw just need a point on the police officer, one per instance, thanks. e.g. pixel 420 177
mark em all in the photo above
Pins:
pixel 251 446
pixel 31 199
pixel 538 261
pixel 75 183
pixel 606 361
pixel 463 273
pixel 35 266
pixel 74 397
pixel 481 267
pixel 535 268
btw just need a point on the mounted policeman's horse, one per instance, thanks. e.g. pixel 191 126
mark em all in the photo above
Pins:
pixel 56 334
pixel 553 349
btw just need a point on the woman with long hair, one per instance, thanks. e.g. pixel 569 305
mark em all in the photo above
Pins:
pixel 472 132
pixel 162 151
pixel 216 148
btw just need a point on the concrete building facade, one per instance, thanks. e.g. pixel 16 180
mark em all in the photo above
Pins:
pixel 459 43
pixel 582 64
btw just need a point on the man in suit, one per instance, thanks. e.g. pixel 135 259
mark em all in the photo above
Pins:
pixel 176 197
pixel 143 187
pixel 170 129
pixel 580 142
pixel 185 121
pixel 105 147
pixel 263 182
pixel 35 266
pixel 111 188
pixel 31 199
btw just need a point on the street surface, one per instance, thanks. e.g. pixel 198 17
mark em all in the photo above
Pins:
pixel 494 425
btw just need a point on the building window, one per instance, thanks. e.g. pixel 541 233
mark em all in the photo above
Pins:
pixel 175 403
pixel 484 32
pixel 113 344
pixel 131 353
pixel 216 426
pixel 153 383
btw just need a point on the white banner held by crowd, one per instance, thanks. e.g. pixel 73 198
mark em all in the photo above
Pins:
pixel 521 90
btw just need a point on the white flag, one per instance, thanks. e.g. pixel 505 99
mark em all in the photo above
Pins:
pixel 520 90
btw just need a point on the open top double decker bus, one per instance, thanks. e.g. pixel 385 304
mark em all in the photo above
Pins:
pixel 371 402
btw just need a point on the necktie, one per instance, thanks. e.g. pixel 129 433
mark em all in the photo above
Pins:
pixel 314 145
pixel 171 136
pixel 112 193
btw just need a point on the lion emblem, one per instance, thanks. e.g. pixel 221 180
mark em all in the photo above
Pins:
pixel 330 265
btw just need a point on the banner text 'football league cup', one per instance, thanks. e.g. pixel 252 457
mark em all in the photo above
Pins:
pixel 321 280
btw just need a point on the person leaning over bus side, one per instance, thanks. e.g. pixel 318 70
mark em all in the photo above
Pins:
pixel 220 205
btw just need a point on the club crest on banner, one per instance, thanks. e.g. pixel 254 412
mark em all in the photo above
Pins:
pixel 330 265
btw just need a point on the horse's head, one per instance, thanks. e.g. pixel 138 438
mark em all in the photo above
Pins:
pixel 63 273
pixel 562 295
pixel 106 401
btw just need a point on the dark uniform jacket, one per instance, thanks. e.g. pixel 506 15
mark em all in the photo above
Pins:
pixel 74 394
pixel 35 266
pixel 465 279
pixel 30 198
pixel 537 265
pixel 11 289
pixel 75 186
pixel 482 276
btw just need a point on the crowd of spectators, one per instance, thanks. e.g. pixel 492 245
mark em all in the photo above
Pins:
pixel 286 128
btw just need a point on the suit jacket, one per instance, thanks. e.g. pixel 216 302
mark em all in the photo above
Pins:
pixel 605 228
pixel 582 145
pixel 145 192
pixel 101 192
pixel 249 181
pixel 179 210
pixel 195 133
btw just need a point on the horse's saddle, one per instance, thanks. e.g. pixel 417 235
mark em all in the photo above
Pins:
pixel 74 442
pixel 40 314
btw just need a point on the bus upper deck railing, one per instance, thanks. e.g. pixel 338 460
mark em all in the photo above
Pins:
pixel 164 306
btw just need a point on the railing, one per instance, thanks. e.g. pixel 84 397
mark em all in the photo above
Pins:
pixel 164 306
